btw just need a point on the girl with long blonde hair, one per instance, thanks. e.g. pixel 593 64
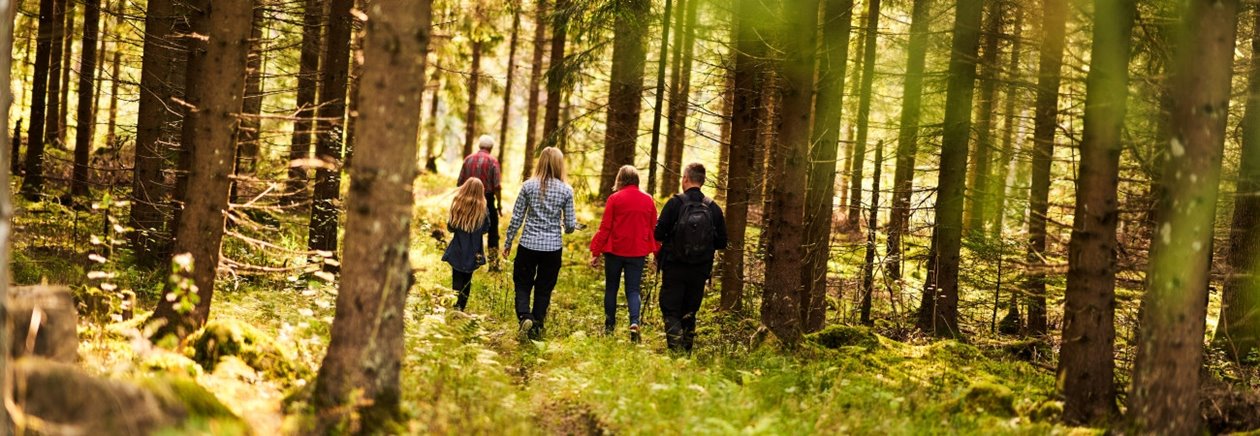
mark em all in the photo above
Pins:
pixel 468 222
pixel 543 214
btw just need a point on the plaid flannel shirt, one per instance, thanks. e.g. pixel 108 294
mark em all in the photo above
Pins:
pixel 484 166
pixel 543 217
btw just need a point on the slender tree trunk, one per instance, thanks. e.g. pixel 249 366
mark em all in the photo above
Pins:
pixel 307 91
pixel 251 112
pixel 872 226
pixel 86 117
pixel 8 10
pixel 1238 332
pixel 1009 125
pixel 976 212
pixel 52 127
pixel 365 355
pixel 507 87
pixel 67 64
pixel 660 95
pixel 625 94
pixel 111 127
pixel 745 125
pixel 679 100
pixel 870 35
pixel 1087 365
pixel 50 23
pixel 780 305
pixel 431 142
pixel 724 141
pixel 214 90
pixel 474 82
pixel 938 312
pixel 556 73
pixel 158 127
pixel 535 83
pixel 907 138
pixel 1170 339
pixel 334 79
pixel 828 111
pixel 1045 123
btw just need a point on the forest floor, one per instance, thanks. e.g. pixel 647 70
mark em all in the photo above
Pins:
pixel 470 374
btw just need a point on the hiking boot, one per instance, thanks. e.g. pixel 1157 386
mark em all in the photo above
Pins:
pixel 634 333
pixel 527 329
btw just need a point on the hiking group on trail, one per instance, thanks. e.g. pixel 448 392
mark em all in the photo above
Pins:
pixel 683 241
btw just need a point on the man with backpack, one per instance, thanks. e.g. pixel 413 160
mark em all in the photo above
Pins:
pixel 691 229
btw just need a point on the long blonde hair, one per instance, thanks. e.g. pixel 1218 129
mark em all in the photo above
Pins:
pixel 550 166
pixel 468 210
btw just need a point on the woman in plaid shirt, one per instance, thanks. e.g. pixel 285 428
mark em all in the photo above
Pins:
pixel 544 210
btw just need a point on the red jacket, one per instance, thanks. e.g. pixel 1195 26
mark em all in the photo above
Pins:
pixel 627 225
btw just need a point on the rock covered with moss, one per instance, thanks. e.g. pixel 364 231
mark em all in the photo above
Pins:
pixel 837 336
pixel 222 338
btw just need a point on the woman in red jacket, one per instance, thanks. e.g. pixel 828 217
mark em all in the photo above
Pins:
pixel 623 242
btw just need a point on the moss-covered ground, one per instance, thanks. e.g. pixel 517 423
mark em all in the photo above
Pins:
pixel 470 374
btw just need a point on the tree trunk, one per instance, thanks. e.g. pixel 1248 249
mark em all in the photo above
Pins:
pixel 158 127
pixel 870 35
pixel 507 87
pixel 938 311
pixel 980 169
pixel 724 141
pixel 334 79
pixel 780 305
pixel 50 23
pixel 745 125
pixel 1238 332
pixel 366 350
pixel 872 225
pixel 1009 125
pixel 660 96
pixel 251 112
pixel 1170 339
pixel 6 203
pixel 115 72
pixel 67 64
pixel 307 91
pixel 214 91
pixel 828 111
pixel 907 138
pixel 535 82
pixel 1045 122
pixel 431 141
pixel 474 82
pixel 679 105
pixel 1087 363
pixel 625 93
pixel 86 117
pixel 556 73
pixel 352 88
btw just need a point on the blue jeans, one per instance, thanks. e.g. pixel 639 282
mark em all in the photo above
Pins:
pixel 614 266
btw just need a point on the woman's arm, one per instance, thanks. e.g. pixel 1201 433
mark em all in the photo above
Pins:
pixel 570 217
pixel 518 217
pixel 605 229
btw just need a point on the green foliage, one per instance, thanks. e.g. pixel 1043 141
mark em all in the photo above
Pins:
pixel 837 336
pixel 222 338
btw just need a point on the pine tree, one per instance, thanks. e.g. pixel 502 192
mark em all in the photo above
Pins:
pixel 625 93
pixel 365 355
pixel 334 80
pixel 679 99
pixel 49 25
pixel 86 117
pixel 307 93
pixel 870 36
pixel 1087 363
pixel 907 137
pixel 535 82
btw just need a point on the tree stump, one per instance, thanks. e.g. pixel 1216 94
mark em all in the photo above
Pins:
pixel 44 321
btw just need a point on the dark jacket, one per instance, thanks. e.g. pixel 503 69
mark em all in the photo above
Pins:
pixel 669 218
pixel 466 251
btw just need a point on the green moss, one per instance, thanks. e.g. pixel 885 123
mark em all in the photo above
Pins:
pixel 223 338
pixel 987 398
pixel 838 336
pixel 185 391
pixel 170 363
pixel 1046 411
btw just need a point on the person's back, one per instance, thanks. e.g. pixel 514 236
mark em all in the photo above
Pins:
pixel 543 215
pixel 691 229
pixel 482 165
pixel 633 217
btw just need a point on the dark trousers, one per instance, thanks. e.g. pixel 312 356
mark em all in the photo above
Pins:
pixel 493 213
pixel 682 291
pixel 535 274
pixel 614 268
pixel 462 282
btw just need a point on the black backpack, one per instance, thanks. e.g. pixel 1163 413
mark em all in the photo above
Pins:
pixel 693 232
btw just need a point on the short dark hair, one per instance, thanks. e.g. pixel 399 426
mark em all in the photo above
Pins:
pixel 695 173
